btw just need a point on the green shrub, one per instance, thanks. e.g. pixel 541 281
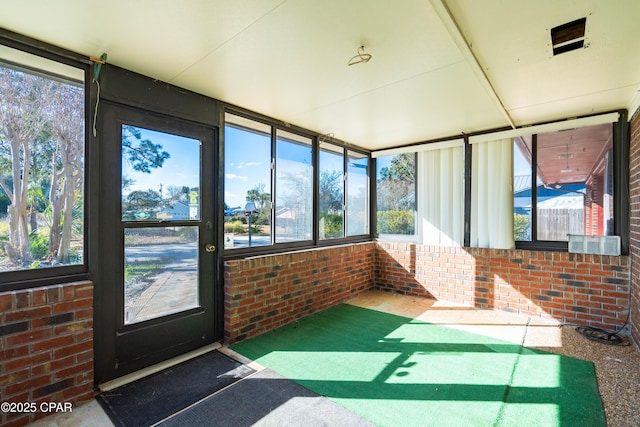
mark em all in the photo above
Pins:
pixel 4 229
pixel 521 227
pixel 39 247
pixel 396 222
pixel 236 227
pixel 332 225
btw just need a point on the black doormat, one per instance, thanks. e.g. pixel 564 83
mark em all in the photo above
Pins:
pixel 154 398
pixel 266 399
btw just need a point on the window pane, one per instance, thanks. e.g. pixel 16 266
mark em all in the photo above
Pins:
pixel 522 188
pixel 294 188
pixel 357 194
pixel 575 195
pixel 247 167
pixel 41 162
pixel 396 194
pixel 160 271
pixel 160 175
pixel 331 191
pixel 574 189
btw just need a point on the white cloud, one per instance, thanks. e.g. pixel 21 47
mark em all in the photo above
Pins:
pixel 248 164
pixel 234 176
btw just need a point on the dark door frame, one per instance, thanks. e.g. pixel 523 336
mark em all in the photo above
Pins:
pixel 120 350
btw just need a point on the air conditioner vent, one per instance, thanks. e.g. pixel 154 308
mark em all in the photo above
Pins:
pixel 599 245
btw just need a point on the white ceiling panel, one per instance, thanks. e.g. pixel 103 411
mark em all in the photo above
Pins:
pixel 158 38
pixel 295 59
pixel 424 107
pixel 582 105
pixel 288 58
pixel 514 46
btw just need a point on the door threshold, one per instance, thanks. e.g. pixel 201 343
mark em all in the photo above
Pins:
pixel 129 378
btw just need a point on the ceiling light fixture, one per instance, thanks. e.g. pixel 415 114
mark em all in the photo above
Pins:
pixel 567 169
pixel 360 58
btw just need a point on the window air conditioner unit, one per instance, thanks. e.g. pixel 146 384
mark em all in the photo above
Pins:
pixel 600 245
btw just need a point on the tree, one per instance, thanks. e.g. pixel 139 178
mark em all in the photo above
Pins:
pixel 23 98
pixel 142 154
pixel 331 192
pixel 66 166
pixel 331 204
pixel 521 227
pixel 295 194
pixel 403 167
pixel 177 194
pixel 141 202
pixel 259 197
pixel 396 184
pixel 396 196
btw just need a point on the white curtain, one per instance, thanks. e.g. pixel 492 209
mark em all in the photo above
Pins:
pixel 492 194
pixel 441 196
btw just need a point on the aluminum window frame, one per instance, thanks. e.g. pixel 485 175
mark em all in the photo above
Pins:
pixel 31 278
pixel 315 241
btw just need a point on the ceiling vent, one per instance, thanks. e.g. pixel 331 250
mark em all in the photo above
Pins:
pixel 568 37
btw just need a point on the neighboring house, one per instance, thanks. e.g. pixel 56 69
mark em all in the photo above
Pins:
pixel 178 210
pixel 560 211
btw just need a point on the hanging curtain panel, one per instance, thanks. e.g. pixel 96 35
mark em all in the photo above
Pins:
pixel 441 196
pixel 492 194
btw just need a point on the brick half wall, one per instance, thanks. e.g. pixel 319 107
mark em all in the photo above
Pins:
pixel 263 293
pixel 572 288
pixel 46 348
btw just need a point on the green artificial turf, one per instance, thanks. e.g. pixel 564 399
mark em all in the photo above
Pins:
pixel 394 371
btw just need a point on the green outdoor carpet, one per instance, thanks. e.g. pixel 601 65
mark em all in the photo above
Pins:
pixel 397 371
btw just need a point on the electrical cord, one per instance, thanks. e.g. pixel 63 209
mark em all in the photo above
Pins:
pixel 602 335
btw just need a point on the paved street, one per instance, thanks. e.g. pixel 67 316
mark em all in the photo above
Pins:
pixel 173 289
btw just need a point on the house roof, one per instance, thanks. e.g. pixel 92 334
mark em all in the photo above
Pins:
pixel 438 67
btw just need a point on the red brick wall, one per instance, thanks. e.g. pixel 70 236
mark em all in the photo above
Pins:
pixel 46 348
pixel 634 250
pixel 572 288
pixel 262 293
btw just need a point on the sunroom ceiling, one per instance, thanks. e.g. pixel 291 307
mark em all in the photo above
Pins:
pixel 439 67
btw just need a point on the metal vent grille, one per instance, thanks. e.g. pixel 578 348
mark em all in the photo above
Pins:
pixel 569 36
pixel 599 245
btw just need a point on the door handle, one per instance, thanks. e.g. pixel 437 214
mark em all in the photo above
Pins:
pixel 209 247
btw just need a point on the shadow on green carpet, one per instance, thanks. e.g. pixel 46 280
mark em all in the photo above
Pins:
pixel 393 370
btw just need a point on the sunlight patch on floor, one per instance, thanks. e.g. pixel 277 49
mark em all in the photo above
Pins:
pixel 512 327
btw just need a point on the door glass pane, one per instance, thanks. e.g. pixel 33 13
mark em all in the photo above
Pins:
pixel 160 176
pixel 357 194
pixel 160 271
pixel 294 188
pixel 247 183
pixel 331 191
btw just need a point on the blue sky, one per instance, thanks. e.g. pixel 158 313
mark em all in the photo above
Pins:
pixel 182 168
pixel 520 165
pixel 247 163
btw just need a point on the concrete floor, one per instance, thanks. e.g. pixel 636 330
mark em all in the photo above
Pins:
pixel 515 328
